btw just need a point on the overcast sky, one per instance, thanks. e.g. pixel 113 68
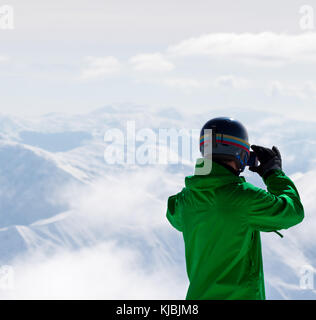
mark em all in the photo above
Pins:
pixel 75 56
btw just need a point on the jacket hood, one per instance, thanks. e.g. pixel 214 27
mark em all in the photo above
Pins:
pixel 217 177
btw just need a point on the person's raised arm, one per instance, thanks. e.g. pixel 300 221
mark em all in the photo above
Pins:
pixel 279 207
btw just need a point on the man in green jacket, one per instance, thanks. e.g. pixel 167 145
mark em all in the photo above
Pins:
pixel 221 215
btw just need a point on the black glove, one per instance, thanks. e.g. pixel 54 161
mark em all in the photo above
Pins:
pixel 270 159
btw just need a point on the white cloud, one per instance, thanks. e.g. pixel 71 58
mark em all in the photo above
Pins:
pixel 98 67
pixel 127 249
pixel 190 83
pixel 184 83
pixel 151 62
pixel 231 81
pixel 303 90
pixel 104 271
pixel 4 59
pixel 306 231
pixel 265 48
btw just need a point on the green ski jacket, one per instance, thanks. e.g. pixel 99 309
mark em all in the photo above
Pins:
pixel 220 216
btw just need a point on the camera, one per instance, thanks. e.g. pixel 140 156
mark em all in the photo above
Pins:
pixel 253 160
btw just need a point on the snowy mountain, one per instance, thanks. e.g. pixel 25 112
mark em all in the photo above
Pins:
pixel 74 226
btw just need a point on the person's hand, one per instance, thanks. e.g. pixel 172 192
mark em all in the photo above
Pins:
pixel 270 159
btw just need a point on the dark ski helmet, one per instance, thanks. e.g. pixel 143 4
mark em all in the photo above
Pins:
pixel 228 141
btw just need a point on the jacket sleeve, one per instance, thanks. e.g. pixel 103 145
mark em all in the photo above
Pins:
pixel 278 208
pixel 173 212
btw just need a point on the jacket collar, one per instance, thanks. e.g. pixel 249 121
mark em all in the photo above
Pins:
pixel 210 174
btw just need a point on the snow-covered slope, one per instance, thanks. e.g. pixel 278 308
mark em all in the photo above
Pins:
pixel 59 200
pixel 29 179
